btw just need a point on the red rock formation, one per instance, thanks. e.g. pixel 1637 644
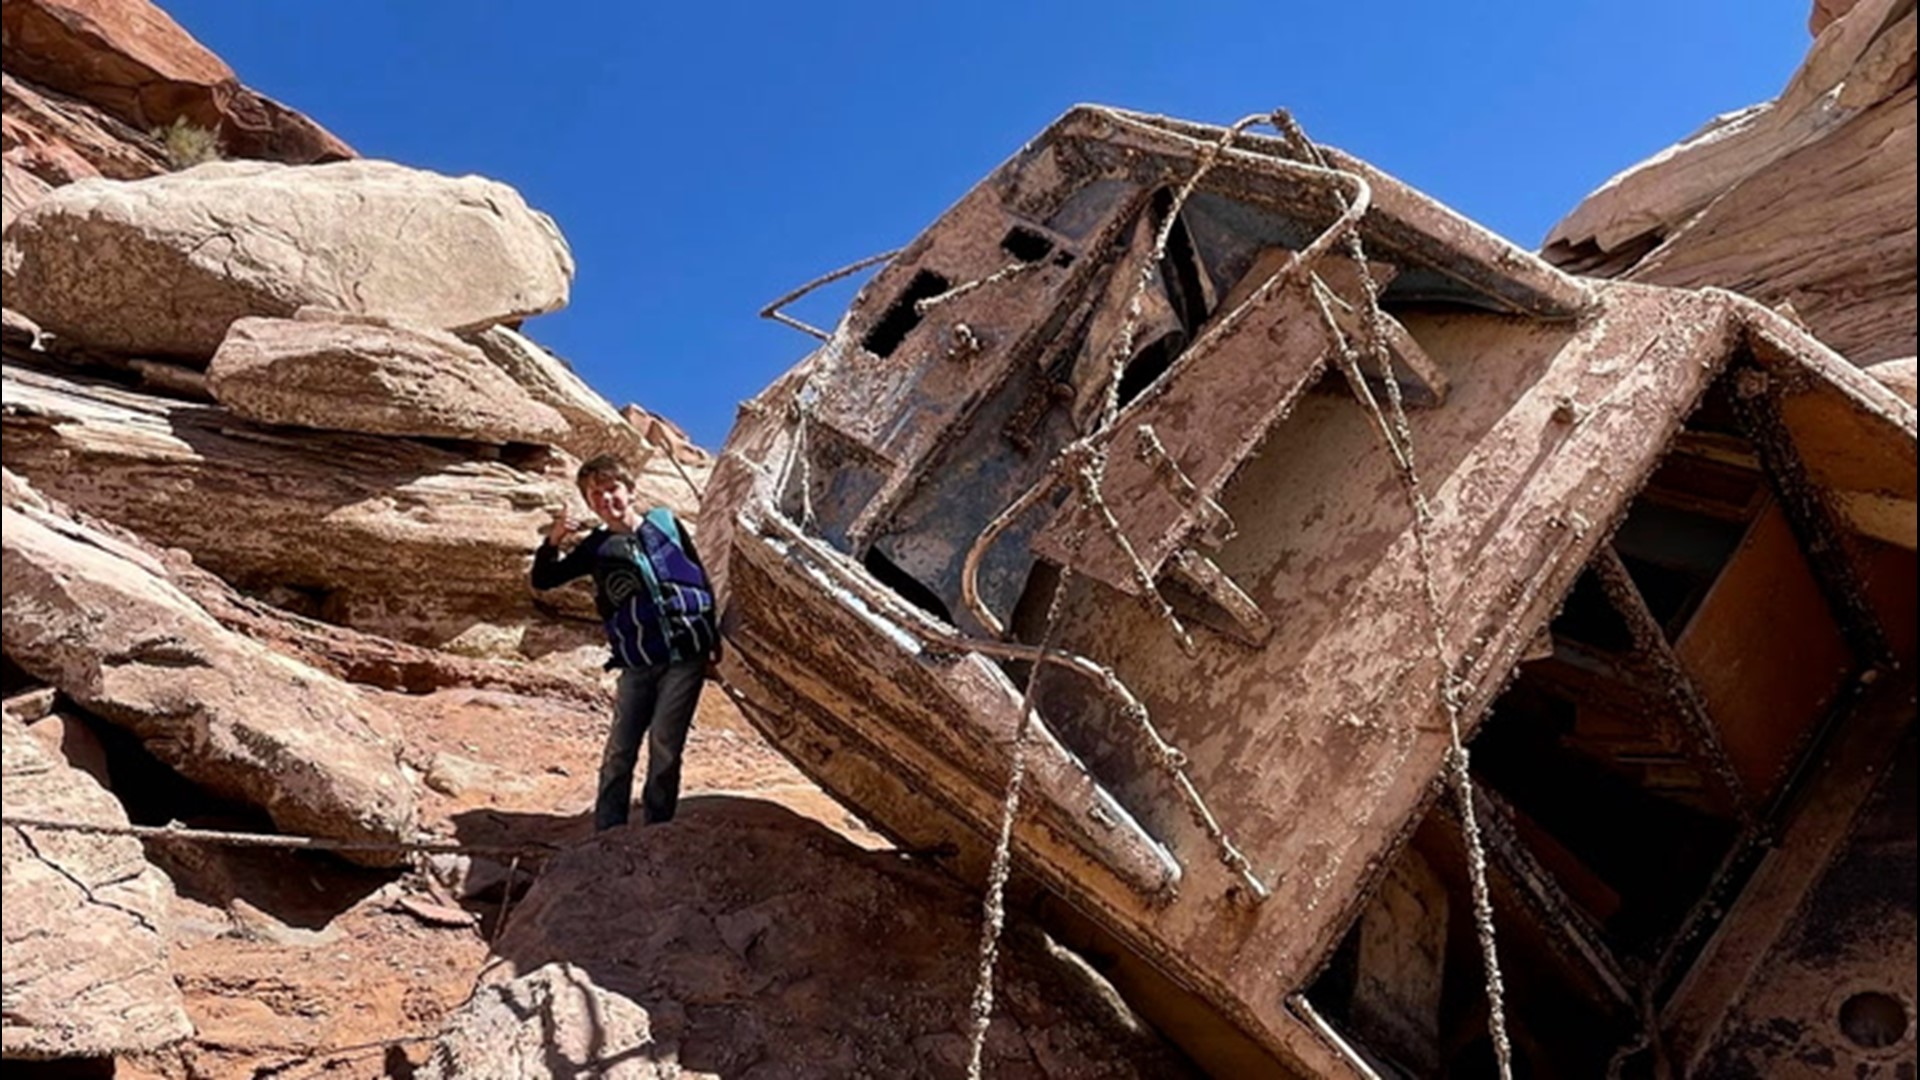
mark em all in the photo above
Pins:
pixel 59 139
pixel 793 954
pixel 96 617
pixel 662 433
pixel 133 62
pixel 108 990
pixel 1825 12
pixel 1807 200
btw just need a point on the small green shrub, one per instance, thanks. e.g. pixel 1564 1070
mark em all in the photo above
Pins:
pixel 187 144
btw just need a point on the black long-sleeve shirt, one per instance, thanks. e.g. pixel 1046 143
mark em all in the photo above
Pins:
pixel 650 589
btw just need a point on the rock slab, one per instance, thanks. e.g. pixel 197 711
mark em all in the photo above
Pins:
pixel 1807 200
pixel 130 59
pixel 163 266
pixel 553 1024
pixel 377 379
pixel 759 943
pixel 98 619
pixel 86 972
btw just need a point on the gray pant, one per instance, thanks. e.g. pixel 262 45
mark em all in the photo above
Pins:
pixel 656 701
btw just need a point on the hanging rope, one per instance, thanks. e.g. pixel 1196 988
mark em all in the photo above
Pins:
pixel 664 447
pixel 1083 464
pixel 1084 460
pixel 1398 435
pixel 993 906
pixel 1005 273
pixel 1090 469
pixel 1180 485
pixel 275 840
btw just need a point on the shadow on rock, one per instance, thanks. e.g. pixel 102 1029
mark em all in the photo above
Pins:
pixel 743 940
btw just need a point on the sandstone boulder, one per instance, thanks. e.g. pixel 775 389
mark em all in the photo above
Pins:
pixel 377 379
pixel 97 618
pixel 592 425
pixel 664 435
pixel 19 189
pixel 163 266
pixel 796 954
pixel 553 1024
pixel 1807 200
pixel 389 536
pixel 86 972
pixel 133 61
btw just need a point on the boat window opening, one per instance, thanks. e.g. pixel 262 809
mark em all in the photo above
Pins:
pixel 1150 363
pixel 1588 619
pixel 1181 273
pixel 1026 245
pixel 903 315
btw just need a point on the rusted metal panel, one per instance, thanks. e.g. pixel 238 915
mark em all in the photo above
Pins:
pixel 1846 450
pixel 1766 653
pixel 1444 255
pixel 1828 916
pixel 1343 698
pixel 1206 419
pixel 1682 703
pixel 948 720
pixel 1891 577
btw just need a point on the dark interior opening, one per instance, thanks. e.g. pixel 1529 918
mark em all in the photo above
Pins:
pixel 14 679
pixel 527 457
pixel 1029 618
pixel 905 585
pixel 1674 555
pixel 298 888
pixel 1597 808
pixel 1025 244
pixel 1150 363
pixel 1407 984
pixel 1184 279
pixel 1588 618
pixel 91 1068
pixel 1873 1020
pixel 1180 270
pixel 151 791
pixel 903 316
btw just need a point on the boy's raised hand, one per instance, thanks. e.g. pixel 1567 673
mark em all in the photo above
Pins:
pixel 562 525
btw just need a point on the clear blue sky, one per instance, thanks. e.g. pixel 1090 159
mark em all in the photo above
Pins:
pixel 704 158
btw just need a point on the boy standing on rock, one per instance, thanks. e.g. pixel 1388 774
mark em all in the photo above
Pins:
pixel 652 594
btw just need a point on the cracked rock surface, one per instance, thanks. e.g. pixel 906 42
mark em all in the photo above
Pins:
pixel 107 990
pixel 162 266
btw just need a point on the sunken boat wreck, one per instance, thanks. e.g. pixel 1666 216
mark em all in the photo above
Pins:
pixel 1350 590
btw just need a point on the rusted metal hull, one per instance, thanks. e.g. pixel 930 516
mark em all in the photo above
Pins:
pixel 1270 604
